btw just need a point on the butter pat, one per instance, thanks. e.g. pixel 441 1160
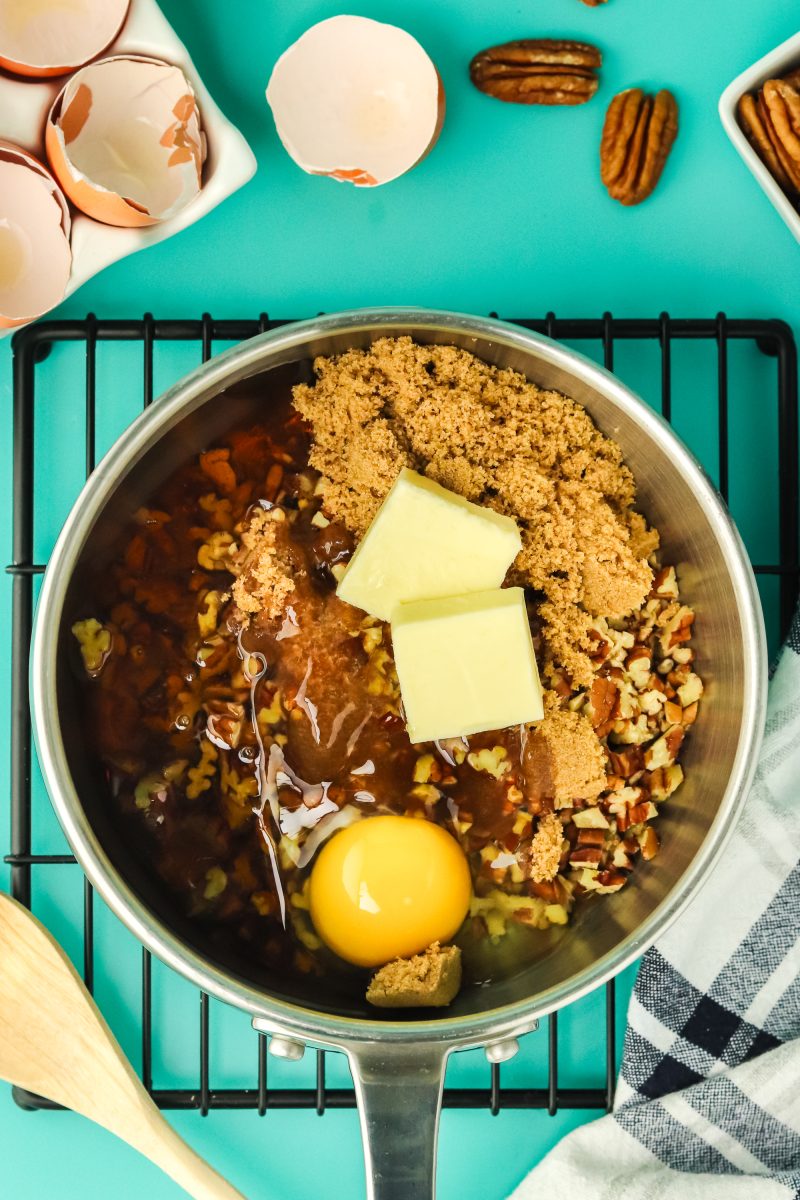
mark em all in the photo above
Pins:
pixel 425 542
pixel 466 664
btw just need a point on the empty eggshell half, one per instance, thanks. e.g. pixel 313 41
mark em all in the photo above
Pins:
pixel 50 37
pixel 357 100
pixel 124 141
pixel 35 258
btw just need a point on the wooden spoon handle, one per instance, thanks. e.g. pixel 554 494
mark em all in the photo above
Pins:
pixel 54 1041
pixel 163 1146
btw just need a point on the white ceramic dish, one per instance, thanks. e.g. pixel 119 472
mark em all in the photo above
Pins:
pixel 24 105
pixel 778 62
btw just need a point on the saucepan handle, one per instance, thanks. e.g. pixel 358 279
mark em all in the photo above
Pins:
pixel 399 1091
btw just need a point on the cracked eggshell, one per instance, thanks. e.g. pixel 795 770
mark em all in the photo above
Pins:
pixel 357 100
pixel 35 257
pixel 42 38
pixel 125 142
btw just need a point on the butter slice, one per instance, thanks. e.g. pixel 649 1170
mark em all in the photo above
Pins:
pixel 466 664
pixel 425 542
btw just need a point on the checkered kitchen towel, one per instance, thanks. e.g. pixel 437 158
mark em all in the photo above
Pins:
pixel 708 1102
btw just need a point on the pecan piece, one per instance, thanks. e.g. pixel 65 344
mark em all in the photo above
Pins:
pixel 586 856
pixel 538 71
pixel 602 699
pixel 637 137
pixel 649 843
pixel 611 881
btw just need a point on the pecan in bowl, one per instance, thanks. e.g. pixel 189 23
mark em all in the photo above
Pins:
pixel 771 121
pixel 538 71
pixel 638 134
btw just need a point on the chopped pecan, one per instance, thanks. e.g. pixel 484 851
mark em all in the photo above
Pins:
pixel 637 137
pixel 538 71
pixel 561 685
pixel 665 584
pixel 546 890
pixel 602 699
pixel 224 723
pixel 664 780
pixel 642 812
pixel 611 881
pixel 690 691
pixel 664 751
pixel 638 666
pixel 586 856
pixel 649 843
pixel 601 647
pixel 591 837
pixel 626 762
pixel 589 818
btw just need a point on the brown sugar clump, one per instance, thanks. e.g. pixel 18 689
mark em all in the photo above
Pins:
pixel 644 541
pixel 428 980
pixel 263 579
pixel 564 759
pixel 499 440
pixel 545 850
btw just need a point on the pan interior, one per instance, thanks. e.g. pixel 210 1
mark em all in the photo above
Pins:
pixel 667 494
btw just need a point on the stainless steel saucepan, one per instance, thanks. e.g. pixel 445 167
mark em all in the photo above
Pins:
pixel 398 1064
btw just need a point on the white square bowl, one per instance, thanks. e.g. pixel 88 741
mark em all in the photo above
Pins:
pixel 230 164
pixel 778 62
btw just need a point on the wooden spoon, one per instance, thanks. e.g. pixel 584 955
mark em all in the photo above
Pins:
pixel 54 1042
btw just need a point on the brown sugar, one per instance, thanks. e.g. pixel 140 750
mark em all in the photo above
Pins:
pixel 545 849
pixel 494 437
pixel 428 980
pixel 564 759
pixel 263 579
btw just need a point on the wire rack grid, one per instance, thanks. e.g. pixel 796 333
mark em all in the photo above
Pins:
pixel 771 338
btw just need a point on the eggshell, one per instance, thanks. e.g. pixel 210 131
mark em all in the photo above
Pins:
pixel 42 38
pixel 357 100
pixel 124 140
pixel 35 257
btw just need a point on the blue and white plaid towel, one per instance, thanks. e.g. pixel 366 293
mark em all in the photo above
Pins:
pixel 708 1102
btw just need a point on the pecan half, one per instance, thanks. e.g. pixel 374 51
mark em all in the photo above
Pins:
pixel 593 3
pixel 771 122
pixel 538 71
pixel 779 107
pixel 637 137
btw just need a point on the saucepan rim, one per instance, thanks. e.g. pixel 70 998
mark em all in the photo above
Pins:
pixel 195 389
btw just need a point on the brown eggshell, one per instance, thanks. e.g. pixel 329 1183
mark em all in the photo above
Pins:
pixel 41 41
pixel 124 140
pixel 376 106
pixel 31 201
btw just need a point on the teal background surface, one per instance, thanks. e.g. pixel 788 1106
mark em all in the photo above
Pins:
pixel 507 214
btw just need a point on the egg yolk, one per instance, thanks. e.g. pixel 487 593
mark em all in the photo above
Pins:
pixel 387 887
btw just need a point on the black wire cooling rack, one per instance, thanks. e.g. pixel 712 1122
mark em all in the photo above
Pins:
pixel 32 345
